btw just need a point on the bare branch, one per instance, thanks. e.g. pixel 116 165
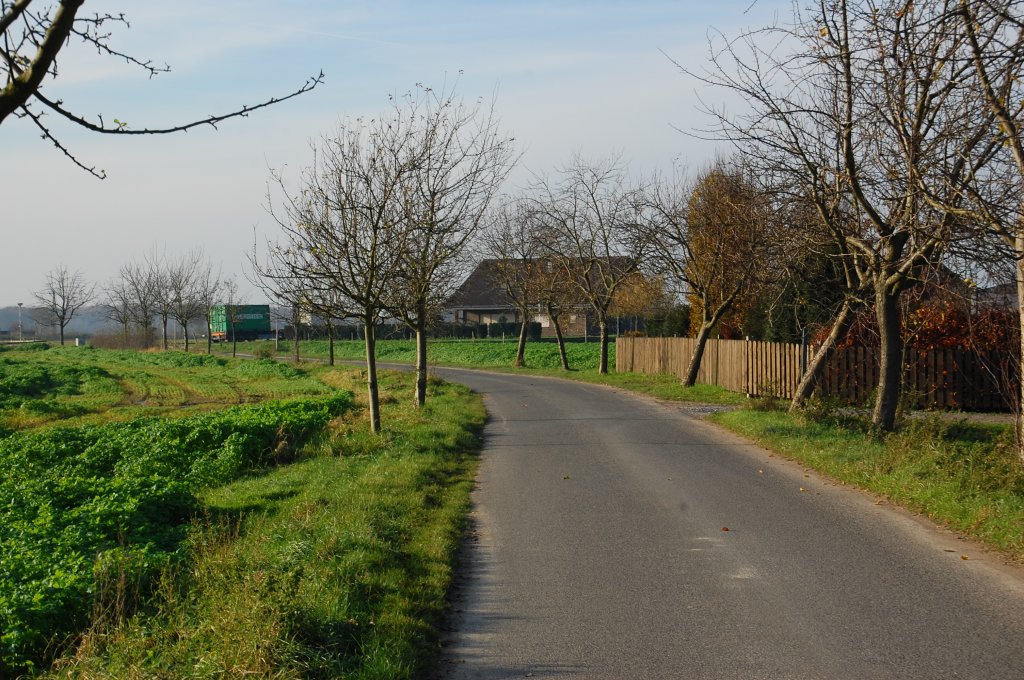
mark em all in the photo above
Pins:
pixel 212 121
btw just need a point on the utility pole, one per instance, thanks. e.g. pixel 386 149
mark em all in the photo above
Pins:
pixel 21 336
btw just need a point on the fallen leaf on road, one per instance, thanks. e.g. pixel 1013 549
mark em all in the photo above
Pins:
pixel 566 477
pixel 725 528
pixel 964 557
pixel 803 489
pixel 760 472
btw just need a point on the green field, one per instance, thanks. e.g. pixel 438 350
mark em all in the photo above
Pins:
pixel 469 353
pixel 82 385
pixel 160 518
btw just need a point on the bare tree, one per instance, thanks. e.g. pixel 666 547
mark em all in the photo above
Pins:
pixel 183 281
pixel 62 295
pixel 994 31
pixel 807 233
pixel 158 277
pixel 457 159
pixel 597 228
pixel 556 295
pixel 33 36
pixel 515 252
pixel 344 230
pixel 118 306
pixel 867 111
pixel 206 291
pixel 330 306
pixel 280 275
pixel 713 238
pixel 233 302
pixel 143 286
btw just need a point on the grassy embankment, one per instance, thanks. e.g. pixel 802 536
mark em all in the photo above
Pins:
pixel 962 474
pixel 328 556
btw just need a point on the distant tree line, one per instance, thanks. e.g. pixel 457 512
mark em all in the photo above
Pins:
pixel 146 296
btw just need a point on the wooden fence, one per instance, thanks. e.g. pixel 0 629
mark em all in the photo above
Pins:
pixel 945 378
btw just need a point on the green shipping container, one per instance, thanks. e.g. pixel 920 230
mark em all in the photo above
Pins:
pixel 244 322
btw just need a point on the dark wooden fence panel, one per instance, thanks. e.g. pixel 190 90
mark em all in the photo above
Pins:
pixel 949 378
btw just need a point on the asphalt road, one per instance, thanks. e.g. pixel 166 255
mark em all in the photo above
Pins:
pixel 615 537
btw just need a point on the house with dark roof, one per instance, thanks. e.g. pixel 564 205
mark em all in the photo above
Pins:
pixel 482 299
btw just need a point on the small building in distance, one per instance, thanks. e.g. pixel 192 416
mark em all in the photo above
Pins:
pixel 482 300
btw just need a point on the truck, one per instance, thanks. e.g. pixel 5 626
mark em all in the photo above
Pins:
pixel 241 322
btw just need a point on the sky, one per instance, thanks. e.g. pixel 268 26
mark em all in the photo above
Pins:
pixel 588 77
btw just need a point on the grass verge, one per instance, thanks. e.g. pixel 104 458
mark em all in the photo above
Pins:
pixel 960 474
pixel 335 566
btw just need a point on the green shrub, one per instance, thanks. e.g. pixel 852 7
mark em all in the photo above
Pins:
pixel 820 409
pixel 264 351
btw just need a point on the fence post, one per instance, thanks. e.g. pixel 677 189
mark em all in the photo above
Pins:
pixel 803 352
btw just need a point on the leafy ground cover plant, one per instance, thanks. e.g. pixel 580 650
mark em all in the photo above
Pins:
pixel 334 566
pixel 82 506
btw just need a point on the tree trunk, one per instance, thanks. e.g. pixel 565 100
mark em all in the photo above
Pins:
pixel 890 360
pixel 421 361
pixel 558 335
pixel 603 327
pixel 698 354
pixel 209 337
pixel 61 334
pixel 521 345
pixel 816 366
pixel 184 330
pixel 234 342
pixel 330 343
pixel 163 321
pixel 371 377
pixel 295 338
pixel 1019 411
